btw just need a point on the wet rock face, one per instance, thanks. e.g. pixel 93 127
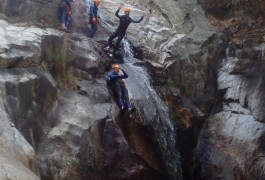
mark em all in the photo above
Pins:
pixel 239 17
pixel 19 52
pixel 28 95
pixel 30 11
pixel 44 13
pixel 85 142
pixel 228 8
pixel 76 122
pixel 238 142
pixel 235 130
pixel 242 59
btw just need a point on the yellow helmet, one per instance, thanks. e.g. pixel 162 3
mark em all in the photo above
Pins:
pixel 127 10
pixel 116 66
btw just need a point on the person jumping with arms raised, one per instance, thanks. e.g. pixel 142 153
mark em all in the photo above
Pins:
pixel 125 21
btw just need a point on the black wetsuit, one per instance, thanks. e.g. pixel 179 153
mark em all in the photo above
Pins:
pixel 125 21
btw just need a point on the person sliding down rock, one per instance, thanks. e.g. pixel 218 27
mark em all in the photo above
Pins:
pixel 125 21
pixel 117 76
pixel 93 18
pixel 65 14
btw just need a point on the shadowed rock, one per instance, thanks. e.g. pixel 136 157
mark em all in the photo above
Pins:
pixel 28 96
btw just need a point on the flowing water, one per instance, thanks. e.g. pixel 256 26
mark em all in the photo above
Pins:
pixel 154 113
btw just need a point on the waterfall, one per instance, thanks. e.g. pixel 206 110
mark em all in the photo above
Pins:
pixel 142 91
pixel 153 111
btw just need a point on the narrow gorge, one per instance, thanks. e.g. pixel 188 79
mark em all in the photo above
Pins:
pixel 195 77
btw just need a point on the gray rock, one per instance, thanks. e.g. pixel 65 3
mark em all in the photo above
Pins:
pixel 86 142
pixel 18 160
pixel 97 92
pixel 237 81
pixel 44 13
pixel 235 131
pixel 86 56
pixel 28 96
pixel 73 117
pixel 19 51
pixel 235 138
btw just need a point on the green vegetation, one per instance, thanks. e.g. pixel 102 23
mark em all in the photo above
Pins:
pixel 174 83
pixel 2 65
pixel 69 79
pixel 170 82
pixel 60 60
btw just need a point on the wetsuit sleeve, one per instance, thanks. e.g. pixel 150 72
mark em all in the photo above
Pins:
pixel 113 76
pixel 137 21
pixel 117 14
pixel 91 11
pixel 125 75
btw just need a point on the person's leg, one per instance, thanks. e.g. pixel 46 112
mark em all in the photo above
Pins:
pixel 68 22
pixel 118 91
pixel 117 44
pixel 114 35
pixel 63 18
pixel 93 30
pixel 125 96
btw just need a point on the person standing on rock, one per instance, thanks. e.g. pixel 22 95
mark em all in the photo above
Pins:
pixel 125 21
pixel 65 14
pixel 116 77
pixel 93 18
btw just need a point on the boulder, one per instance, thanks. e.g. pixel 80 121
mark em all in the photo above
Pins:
pixel 19 51
pixel 61 52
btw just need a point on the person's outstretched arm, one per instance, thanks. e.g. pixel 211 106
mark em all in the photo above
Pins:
pixel 138 21
pixel 118 10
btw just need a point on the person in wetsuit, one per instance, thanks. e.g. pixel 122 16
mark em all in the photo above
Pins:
pixel 116 77
pixel 125 21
